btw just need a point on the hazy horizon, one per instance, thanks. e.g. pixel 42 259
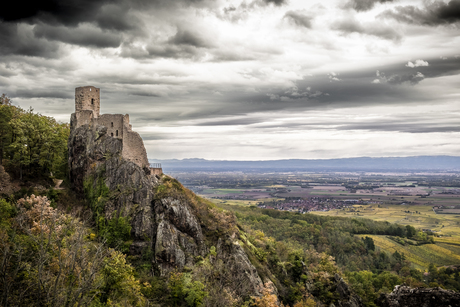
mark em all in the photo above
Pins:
pixel 248 80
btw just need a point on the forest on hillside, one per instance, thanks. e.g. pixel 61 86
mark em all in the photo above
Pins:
pixel 369 270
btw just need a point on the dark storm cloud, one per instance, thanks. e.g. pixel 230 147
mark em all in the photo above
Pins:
pixel 299 18
pixel 92 23
pixel 69 12
pixel 19 39
pixel 351 25
pixel 356 87
pixel 186 44
pixel 432 14
pixel 398 84
pixel 363 5
pixel 107 14
pixel 81 36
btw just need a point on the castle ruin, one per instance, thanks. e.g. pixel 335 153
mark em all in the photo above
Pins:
pixel 87 112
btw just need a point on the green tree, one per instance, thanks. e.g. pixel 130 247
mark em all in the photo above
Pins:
pixel 410 231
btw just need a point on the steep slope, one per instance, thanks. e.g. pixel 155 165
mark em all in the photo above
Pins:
pixel 153 215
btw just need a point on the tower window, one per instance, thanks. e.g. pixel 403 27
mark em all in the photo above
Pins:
pixel 111 124
pixel 111 134
pixel 92 100
pixel 117 132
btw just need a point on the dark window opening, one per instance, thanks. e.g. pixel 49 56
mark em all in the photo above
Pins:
pixel 92 100
pixel 112 125
pixel 117 132
pixel 111 134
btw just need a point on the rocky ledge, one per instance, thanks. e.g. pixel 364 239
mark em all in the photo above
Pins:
pixel 419 297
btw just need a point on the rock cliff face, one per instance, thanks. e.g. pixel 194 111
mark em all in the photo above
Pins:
pixel 167 221
pixel 419 297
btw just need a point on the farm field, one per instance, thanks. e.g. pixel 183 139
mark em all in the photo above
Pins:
pixel 419 216
pixel 421 256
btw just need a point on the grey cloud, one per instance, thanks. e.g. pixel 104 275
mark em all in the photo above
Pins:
pixel 276 2
pixel 363 5
pixel 185 44
pixel 186 37
pixel 81 36
pixel 299 18
pixel 433 14
pixel 241 12
pixel 403 127
pixel 20 40
pixel 172 51
pixel 351 25
pixel 144 93
pixel 115 17
pixel 406 124
pixel 226 55
pixel 412 79
pixel 42 93
pixel 231 122
pixel 154 137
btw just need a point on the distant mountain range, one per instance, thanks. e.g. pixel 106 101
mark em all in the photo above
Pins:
pixel 416 163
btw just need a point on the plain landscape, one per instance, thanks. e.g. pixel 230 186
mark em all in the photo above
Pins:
pixel 430 202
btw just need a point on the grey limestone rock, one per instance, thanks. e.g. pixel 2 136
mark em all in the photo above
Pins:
pixel 166 225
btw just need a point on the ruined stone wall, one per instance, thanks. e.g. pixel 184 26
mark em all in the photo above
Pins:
pixel 133 147
pixel 83 117
pixel 88 98
pixel 114 124
pixel 87 111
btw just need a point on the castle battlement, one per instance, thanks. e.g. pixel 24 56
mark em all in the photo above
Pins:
pixel 87 112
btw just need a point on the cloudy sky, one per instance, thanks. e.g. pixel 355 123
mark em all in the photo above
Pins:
pixel 247 80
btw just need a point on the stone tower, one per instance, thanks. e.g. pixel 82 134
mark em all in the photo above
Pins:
pixel 87 112
pixel 88 98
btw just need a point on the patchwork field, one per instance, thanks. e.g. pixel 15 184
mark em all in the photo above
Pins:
pixel 419 216
pixel 372 196
pixel 421 256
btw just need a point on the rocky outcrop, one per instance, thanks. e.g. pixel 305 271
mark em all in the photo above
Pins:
pixel 419 297
pixel 347 297
pixel 165 221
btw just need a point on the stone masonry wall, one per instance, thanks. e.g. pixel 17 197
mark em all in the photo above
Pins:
pixel 114 124
pixel 87 108
pixel 88 98
pixel 83 117
pixel 133 147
